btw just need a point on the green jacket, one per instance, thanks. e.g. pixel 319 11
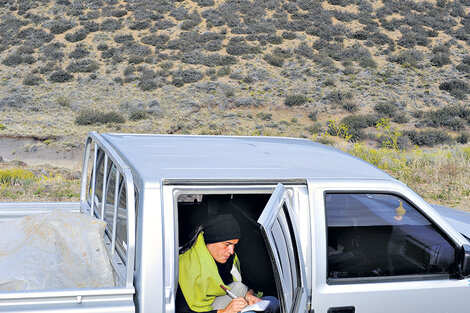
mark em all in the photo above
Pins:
pixel 199 277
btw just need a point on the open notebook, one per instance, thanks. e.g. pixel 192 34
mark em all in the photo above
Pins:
pixel 239 289
pixel 259 306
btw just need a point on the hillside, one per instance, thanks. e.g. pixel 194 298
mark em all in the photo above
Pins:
pixel 269 67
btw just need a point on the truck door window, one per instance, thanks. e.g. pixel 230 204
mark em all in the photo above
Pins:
pixel 110 191
pixel 121 221
pixel 374 235
pixel 99 179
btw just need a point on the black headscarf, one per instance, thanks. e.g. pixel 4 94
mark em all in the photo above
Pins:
pixel 221 228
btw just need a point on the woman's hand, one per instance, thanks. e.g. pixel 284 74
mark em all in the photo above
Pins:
pixel 236 305
pixel 250 298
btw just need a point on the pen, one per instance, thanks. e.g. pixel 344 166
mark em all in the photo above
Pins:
pixel 231 294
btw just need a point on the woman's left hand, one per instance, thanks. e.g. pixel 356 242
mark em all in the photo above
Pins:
pixel 250 298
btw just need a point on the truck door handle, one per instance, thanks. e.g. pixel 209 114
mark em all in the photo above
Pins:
pixel 343 309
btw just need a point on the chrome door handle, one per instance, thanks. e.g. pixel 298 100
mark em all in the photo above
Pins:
pixel 343 309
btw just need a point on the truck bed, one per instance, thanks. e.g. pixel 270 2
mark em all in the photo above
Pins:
pixel 115 299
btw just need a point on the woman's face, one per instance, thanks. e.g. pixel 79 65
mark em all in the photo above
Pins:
pixel 221 251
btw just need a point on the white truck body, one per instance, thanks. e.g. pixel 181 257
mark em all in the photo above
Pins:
pixel 327 232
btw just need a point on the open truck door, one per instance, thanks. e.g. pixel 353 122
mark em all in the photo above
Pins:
pixel 282 240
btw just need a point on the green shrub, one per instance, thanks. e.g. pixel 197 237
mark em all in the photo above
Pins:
pixel 440 59
pixel 60 26
pixel 79 52
pixel 360 121
pixel 428 138
pixel 123 38
pixel 329 81
pixel 466 60
pixel 238 46
pixel 156 40
pixel 248 79
pixel 339 97
pixel 181 77
pixel 32 80
pixel 313 116
pixel 349 70
pixel 400 117
pixel 90 26
pixel 229 93
pixel 350 106
pixel 13 60
pixel 135 59
pixel 138 115
pixel 52 51
pixel 457 88
pixel 295 100
pixel 452 117
pixel 102 46
pixel 110 25
pixel 408 58
pixel 264 116
pixel 289 35
pixel 93 117
pixel 224 71
pixel 63 101
pixel 60 76
pixel 274 60
pixel 83 66
pixel 315 128
pixel 166 66
pixel 118 13
pixel 344 131
pixel 464 68
pixel 79 35
pixel 304 50
pixel 463 138
pixel 211 72
pixel 148 84
pixel 213 45
pixel 386 108
pixel 367 62
pixel 189 24
pixel 440 49
pixel 139 25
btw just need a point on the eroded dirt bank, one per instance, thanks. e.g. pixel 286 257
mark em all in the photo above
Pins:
pixel 36 152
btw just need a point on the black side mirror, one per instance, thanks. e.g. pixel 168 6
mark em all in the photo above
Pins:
pixel 462 261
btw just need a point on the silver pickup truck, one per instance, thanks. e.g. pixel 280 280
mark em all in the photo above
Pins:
pixel 321 230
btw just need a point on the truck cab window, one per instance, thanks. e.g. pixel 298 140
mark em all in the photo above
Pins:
pixel 373 235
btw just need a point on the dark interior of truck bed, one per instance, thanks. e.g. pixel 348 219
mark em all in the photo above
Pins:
pixel 256 268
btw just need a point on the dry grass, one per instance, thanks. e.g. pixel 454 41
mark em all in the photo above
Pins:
pixel 440 176
pixel 19 182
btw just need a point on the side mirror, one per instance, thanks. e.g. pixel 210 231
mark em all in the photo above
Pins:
pixel 462 261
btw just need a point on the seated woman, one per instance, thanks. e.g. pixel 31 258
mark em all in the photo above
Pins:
pixel 210 262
